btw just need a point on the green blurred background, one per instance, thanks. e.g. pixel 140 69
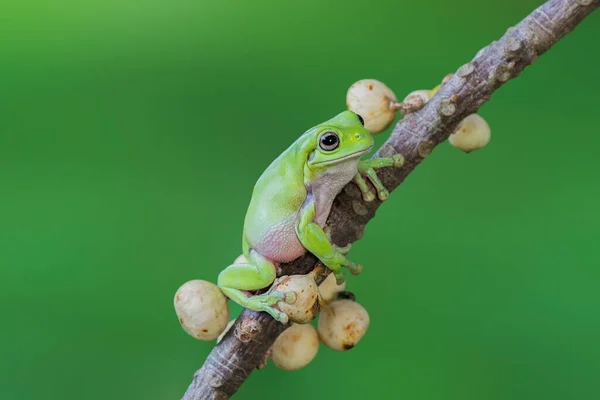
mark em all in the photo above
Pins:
pixel 131 135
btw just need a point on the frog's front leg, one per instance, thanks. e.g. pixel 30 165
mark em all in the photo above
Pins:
pixel 315 240
pixel 366 167
pixel 258 273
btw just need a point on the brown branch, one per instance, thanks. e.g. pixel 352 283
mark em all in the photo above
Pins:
pixel 415 136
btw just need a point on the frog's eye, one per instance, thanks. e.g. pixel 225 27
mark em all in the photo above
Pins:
pixel 329 141
pixel 362 121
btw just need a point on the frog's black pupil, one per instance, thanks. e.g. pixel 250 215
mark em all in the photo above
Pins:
pixel 362 121
pixel 329 140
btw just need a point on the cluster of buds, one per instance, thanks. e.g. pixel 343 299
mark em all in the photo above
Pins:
pixel 378 105
pixel 203 313
pixel 342 322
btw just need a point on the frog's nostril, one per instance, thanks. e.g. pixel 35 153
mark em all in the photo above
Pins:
pixel 357 135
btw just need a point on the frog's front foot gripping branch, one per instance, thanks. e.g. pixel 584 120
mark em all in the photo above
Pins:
pixel 367 168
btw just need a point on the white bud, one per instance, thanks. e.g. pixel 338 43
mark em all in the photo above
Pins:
pixel 227 328
pixel 202 309
pixel 329 288
pixel 433 91
pixel 372 100
pixel 342 324
pixel 308 300
pixel 414 101
pixel 471 134
pixel 295 347
pixel 422 95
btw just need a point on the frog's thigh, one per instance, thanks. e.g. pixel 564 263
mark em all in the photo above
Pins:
pixel 258 273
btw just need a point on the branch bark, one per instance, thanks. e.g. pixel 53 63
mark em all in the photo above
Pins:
pixel 244 347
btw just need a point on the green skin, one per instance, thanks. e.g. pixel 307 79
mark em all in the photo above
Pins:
pixel 290 205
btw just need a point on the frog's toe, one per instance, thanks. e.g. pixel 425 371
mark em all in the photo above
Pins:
pixel 278 315
pixel 383 194
pixel 283 318
pixel 398 160
pixel 275 283
pixel 355 269
pixel 344 249
pixel 340 277
pixel 368 196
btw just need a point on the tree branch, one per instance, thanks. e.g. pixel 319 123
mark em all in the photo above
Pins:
pixel 415 136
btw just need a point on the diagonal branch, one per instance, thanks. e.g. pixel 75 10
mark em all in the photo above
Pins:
pixel 415 136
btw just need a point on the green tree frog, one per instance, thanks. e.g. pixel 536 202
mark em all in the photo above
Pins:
pixel 290 204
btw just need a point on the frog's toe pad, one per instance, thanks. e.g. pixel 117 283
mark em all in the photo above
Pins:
pixel 355 269
pixel 398 160
pixel 383 194
pixel 344 249
pixel 368 196
pixel 290 297
pixel 279 316
pixel 340 278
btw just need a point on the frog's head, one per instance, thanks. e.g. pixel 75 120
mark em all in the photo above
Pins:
pixel 341 138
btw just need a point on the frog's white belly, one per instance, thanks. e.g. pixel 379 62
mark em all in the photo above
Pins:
pixel 281 244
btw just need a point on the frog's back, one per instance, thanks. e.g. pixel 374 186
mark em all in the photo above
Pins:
pixel 270 224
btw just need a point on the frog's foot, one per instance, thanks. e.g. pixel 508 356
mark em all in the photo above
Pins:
pixel 266 301
pixel 337 264
pixel 366 168
pixel 354 269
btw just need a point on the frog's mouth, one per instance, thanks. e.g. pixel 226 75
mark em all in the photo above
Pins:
pixel 346 157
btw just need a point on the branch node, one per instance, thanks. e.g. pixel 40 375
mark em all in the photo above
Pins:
pixel 447 78
pixel 409 105
pixel 466 70
pixel 359 207
pixel 513 45
pixel 502 73
pixel 247 330
pixel 216 381
pixel 446 107
pixel 584 2
pixel 425 148
pixel 387 150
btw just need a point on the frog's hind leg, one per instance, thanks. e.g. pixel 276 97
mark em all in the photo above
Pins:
pixel 257 273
